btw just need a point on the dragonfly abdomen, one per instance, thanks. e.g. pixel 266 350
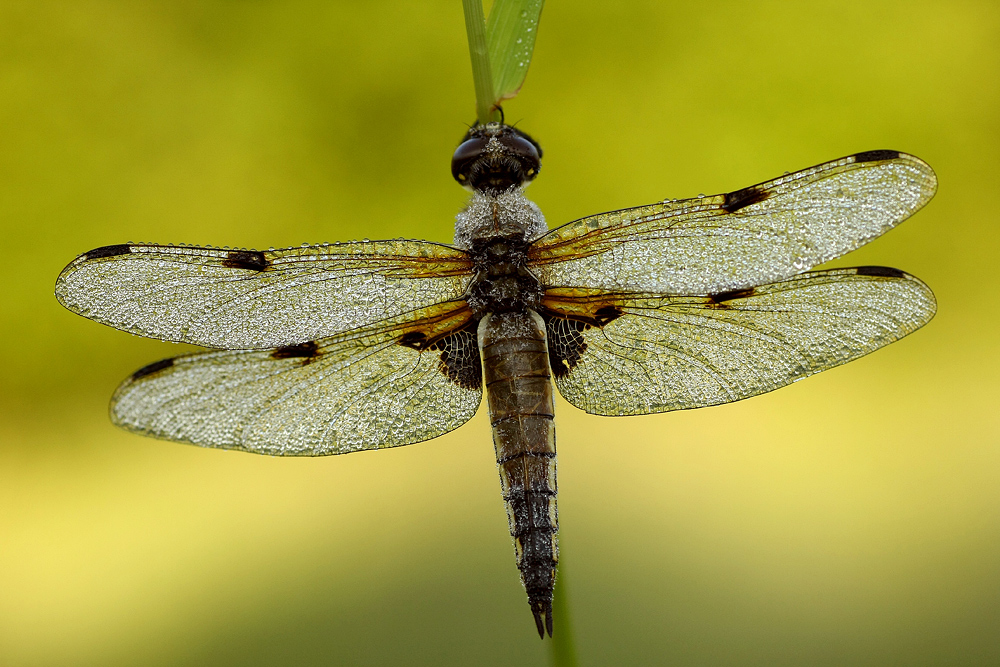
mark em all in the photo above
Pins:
pixel 519 390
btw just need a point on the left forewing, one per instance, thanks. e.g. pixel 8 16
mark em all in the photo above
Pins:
pixel 759 234
pixel 615 354
pixel 253 299
pixel 392 384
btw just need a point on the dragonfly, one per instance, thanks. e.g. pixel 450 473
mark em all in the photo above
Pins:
pixel 362 345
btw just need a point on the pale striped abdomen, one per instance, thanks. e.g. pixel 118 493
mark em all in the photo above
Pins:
pixel 519 390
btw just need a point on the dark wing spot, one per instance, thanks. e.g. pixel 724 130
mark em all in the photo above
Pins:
pixel 875 156
pixel 415 339
pixel 722 297
pixel 108 251
pixel 607 314
pixel 307 350
pixel 460 360
pixel 883 271
pixel 252 260
pixel 743 198
pixel 152 368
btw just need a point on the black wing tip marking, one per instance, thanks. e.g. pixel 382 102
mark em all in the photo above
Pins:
pixel 152 369
pixel 722 297
pixel 109 251
pixel 875 156
pixel 251 260
pixel 881 271
pixel 738 199
pixel 307 350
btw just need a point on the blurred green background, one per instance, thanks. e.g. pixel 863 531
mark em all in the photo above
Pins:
pixel 853 518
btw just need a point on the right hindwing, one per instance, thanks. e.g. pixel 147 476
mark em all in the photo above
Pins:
pixel 630 354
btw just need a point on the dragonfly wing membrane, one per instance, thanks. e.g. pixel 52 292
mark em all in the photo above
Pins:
pixel 641 354
pixel 251 299
pixel 760 234
pixel 393 384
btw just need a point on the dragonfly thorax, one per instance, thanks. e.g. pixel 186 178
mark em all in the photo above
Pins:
pixel 502 282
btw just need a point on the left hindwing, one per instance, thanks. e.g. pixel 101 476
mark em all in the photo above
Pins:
pixel 631 354
pixel 395 383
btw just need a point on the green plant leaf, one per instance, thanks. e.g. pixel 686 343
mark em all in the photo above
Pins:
pixel 501 50
pixel 510 34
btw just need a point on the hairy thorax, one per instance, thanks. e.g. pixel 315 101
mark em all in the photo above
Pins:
pixel 508 214
pixel 497 229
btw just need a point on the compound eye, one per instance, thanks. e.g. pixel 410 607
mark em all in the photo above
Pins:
pixel 467 152
pixel 521 147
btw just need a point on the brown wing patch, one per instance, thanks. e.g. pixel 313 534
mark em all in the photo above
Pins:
pixel 449 329
pixel 567 314
pixel 460 360
pixel 565 342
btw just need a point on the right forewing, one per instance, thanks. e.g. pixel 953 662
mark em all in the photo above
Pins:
pixel 392 384
pixel 760 234
pixel 252 299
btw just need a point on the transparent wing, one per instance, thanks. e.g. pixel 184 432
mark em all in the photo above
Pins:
pixel 252 299
pixel 393 384
pixel 760 234
pixel 640 354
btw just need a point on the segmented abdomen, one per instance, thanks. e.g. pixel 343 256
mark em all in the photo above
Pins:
pixel 519 390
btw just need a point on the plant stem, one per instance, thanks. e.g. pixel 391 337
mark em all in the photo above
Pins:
pixel 563 648
pixel 482 75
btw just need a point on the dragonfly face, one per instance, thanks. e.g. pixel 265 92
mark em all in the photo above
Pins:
pixel 496 157
pixel 343 347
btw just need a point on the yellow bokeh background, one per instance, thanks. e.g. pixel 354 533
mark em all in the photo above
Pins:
pixel 851 519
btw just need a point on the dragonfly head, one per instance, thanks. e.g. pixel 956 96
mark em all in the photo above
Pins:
pixel 495 157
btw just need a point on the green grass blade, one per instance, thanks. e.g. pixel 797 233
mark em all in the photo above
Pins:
pixel 482 76
pixel 510 34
